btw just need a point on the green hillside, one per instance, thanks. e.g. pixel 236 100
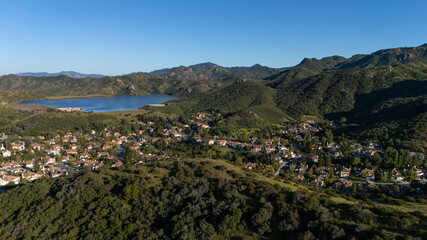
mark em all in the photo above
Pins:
pixel 41 121
pixel 188 199
pixel 135 84
pixel 334 91
pixel 309 67
pixel 251 101
pixel 397 112
pixel 374 101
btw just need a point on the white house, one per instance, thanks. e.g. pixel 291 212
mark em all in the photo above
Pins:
pixel 6 153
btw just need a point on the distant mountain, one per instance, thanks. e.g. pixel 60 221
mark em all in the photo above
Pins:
pixel 133 84
pixel 66 73
pixel 61 85
pixel 209 70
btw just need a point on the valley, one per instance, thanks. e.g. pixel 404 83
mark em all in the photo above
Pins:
pixel 342 140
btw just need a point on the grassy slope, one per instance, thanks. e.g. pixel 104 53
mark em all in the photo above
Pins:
pixel 42 120
pixel 241 103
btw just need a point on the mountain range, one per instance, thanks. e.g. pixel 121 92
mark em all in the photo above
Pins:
pixel 65 73
pixel 210 70
pixel 334 88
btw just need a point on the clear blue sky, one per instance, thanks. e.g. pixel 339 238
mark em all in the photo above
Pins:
pixel 117 37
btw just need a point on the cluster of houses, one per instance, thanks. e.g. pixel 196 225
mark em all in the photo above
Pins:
pixel 66 153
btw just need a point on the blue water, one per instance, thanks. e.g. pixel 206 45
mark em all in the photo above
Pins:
pixel 117 103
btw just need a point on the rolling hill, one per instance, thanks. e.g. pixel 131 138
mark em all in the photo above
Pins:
pixel 243 103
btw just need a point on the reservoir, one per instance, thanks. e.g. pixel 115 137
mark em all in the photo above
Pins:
pixel 116 103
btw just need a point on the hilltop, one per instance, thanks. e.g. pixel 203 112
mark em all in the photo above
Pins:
pixel 312 66
pixel 209 70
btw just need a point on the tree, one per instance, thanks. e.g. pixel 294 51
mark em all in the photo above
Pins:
pixel 130 157
pixel 411 175
pixel 37 165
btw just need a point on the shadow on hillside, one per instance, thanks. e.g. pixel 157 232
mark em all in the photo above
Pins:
pixel 403 100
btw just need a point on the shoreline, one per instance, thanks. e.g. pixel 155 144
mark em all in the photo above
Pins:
pixel 91 96
pixel 28 106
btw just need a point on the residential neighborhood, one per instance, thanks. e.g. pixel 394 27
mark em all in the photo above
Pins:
pixel 303 150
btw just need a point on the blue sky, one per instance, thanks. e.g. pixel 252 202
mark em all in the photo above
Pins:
pixel 118 37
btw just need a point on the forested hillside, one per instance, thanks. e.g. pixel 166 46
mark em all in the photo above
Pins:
pixel 188 199
pixel 312 66
pixel 335 91
pixel 380 102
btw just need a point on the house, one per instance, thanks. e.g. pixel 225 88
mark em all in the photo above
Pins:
pixel 3 182
pixel 269 149
pixel 370 174
pixel 291 155
pixel 267 142
pixel 316 146
pixel 317 182
pixel 250 165
pixel 97 165
pixel 71 151
pixel 6 153
pixel 49 160
pixel 37 146
pixel 222 142
pixel 53 151
pixel 66 159
pixel 283 148
pixel 373 145
pixel 343 184
pixel 9 165
pixel 394 174
pixel 420 173
pixel 334 145
pixel 301 169
pixel 53 171
pixel 107 145
pixel 314 158
pixel 323 172
pixel 256 148
pixel 242 146
pixel 117 164
pixel 84 155
pixel 103 154
pixel 30 176
pixel 18 170
pixel 344 172
pixel 18 146
pixel 8 180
